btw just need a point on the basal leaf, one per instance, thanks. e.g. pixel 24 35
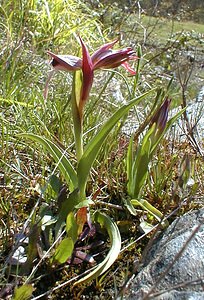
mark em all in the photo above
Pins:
pixel 59 156
pixel 63 251
pixel 130 207
pixel 72 227
pixel 55 183
pixel 23 292
pixel 95 144
pixel 81 218
pixel 142 170
pixel 67 206
pixel 85 203
pixel 115 239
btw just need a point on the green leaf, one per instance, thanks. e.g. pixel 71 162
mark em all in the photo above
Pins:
pixel 146 227
pixel 140 165
pixel 63 251
pixel 95 144
pixel 130 207
pixel 150 209
pixel 115 239
pixel 72 227
pixel 85 203
pixel 67 206
pixel 142 170
pixel 129 164
pixel 59 156
pixel 55 183
pixel 24 292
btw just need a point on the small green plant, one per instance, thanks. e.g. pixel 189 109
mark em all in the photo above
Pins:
pixel 138 161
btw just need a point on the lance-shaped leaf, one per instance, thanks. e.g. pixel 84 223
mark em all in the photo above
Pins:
pixel 140 165
pixel 23 292
pixel 67 206
pixel 72 227
pixel 63 251
pixel 95 144
pixel 115 239
pixel 59 156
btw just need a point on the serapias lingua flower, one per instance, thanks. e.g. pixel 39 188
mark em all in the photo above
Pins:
pixel 103 58
pixel 160 118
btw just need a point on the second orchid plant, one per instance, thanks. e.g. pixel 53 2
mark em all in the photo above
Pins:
pixel 74 212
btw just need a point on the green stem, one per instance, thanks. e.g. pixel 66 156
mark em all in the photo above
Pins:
pixel 78 133
pixel 77 117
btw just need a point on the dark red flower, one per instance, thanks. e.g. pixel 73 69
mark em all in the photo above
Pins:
pixel 103 58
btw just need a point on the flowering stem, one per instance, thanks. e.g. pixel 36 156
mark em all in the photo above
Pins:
pixel 77 116
pixel 78 133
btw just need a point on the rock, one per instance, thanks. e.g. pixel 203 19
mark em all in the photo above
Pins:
pixel 184 273
pixel 195 115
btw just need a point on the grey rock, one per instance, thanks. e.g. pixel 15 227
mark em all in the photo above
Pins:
pixel 179 253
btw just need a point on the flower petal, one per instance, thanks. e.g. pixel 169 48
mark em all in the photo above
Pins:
pixel 114 58
pixel 161 115
pixel 97 54
pixel 65 62
pixel 87 69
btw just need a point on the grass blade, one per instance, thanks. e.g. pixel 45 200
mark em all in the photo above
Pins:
pixel 59 156
pixel 129 163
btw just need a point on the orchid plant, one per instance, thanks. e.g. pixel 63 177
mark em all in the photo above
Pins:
pixel 138 160
pixel 74 212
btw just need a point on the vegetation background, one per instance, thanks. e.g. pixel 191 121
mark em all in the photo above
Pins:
pixel 169 35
